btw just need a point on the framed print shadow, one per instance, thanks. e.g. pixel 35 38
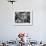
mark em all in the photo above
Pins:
pixel 23 18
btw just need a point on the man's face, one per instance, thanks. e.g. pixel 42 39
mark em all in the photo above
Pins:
pixel 23 16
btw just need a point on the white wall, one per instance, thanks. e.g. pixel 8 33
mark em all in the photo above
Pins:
pixel 9 31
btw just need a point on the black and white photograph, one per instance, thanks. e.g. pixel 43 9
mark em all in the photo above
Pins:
pixel 23 18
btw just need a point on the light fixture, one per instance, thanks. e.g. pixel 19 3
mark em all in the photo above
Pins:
pixel 12 1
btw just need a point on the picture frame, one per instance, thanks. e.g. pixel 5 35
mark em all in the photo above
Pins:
pixel 23 18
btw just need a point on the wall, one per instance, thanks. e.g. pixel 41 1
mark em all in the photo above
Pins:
pixel 9 31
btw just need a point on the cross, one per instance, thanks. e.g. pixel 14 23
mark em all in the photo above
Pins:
pixel 12 1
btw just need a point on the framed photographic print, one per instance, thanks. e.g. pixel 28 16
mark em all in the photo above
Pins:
pixel 23 18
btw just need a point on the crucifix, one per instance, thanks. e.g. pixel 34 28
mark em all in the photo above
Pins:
pixel 12 1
